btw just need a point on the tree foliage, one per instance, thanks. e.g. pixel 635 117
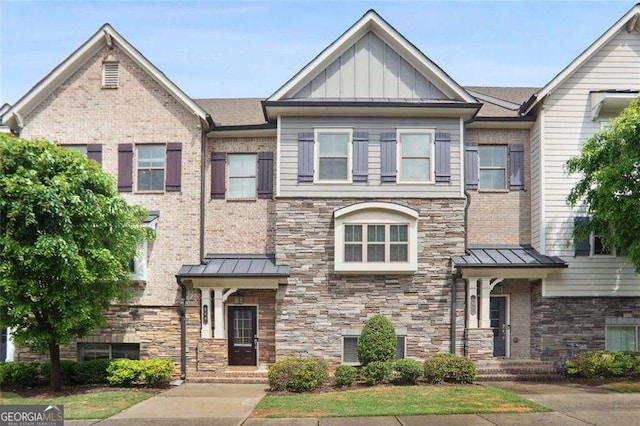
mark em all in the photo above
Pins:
pixel 66 239
pixel 609 184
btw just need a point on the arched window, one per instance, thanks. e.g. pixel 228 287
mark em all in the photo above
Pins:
pixel 376 238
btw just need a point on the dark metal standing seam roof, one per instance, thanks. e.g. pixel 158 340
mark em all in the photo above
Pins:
pixel 507 257
pixel 235 265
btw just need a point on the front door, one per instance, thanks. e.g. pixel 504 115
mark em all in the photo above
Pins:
pixel 498 318
pixel 242 333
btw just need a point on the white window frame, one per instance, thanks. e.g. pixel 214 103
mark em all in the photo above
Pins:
pixel 505 168
pixel 138 168
pixel 592 247
pixel 401 333
pixel 316 154
pixel 635 331
pixel 431 157
pixel 141 261
pixel 376 213
pixel 254 176
pixel 387 243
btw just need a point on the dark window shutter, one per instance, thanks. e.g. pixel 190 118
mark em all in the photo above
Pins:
pixel 265 175
pixel 516 177
pixel 174 167
pixel 581 246
pixel 388 153
pixel 443 157
pixel 360 156
pixel 471 165
pixel 218 162
pixel 125 167
pixel 94 152
pixel 305 157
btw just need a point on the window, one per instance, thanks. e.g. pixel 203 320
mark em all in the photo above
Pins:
pixel 110 75
pixel 376 237
pixel 415 148
pixel 151 165
pixel 334 155
pixel 79 148
pixel 89 351
pixel 242 176
pixel 350 346
pixel 598 248
pixel 493 167
pixel 622 337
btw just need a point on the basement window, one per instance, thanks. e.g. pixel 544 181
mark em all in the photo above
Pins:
pixel 350 345
pixel 89 351
pixel 110 75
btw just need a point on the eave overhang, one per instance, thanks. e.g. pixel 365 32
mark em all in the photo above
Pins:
pixel 501 122
pixel 610 103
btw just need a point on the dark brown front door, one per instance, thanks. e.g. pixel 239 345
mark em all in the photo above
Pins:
pixel 498 316
pixel 243 333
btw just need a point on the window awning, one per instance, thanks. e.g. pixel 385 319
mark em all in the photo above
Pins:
pixel 610 103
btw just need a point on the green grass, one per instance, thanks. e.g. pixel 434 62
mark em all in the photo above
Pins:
pixel 396 401
pixel 622 387
pixel 96 405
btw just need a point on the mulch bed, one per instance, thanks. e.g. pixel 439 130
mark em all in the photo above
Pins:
pixel 43 392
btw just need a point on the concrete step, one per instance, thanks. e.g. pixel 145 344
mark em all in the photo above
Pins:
pixel 230 376
pixel 518 377
pixel 509 369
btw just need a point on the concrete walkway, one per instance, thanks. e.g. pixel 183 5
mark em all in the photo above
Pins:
pixel 230 405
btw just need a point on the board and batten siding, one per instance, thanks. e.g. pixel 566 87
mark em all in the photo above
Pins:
pixel 373 188
pixel 370 69
pixel 567 124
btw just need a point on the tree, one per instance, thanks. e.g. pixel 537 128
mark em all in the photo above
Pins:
pixel 66 239
pixel 609 184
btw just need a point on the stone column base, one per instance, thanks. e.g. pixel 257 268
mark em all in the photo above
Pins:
pixel 478 343
pixel 212 355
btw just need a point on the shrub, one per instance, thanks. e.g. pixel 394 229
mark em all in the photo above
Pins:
pixel 378 341
pixel 407 371
pixel 21 374
pixel 596 364
pixel 156 371
pixel 377 372
pixel 298 374
pixel 67 368
pixel 345 375
pixel 124 372
pixel 91 372
pixel 449 368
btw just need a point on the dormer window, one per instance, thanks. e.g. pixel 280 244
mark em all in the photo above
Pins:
pixel 110 74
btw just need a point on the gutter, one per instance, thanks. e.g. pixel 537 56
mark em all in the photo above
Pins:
pixel 182 311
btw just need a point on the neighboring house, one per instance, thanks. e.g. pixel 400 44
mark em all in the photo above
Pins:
pixel 371 182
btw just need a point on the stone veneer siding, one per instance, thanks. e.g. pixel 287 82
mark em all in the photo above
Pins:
pixel 316 304
pixel 557 322
pixel 501 217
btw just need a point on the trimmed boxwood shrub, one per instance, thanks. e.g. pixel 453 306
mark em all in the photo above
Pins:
pixel 156 371
pixel 597 364
pixel 442 368
pixel 21 374
pixel 67 372
pixel 298 374
pixel 345 375
pixel 93 372
pixel 378 341
pixel 123 372
pixel 407 371
pixel 151 372
pixel 376 372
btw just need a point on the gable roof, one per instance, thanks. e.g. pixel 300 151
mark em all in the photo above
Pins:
pixel 105 36
pixel 371 21
pixel 234 111
pixel 501 101
pixel 631 20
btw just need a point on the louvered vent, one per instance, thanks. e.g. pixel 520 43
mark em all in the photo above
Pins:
pixel 110 75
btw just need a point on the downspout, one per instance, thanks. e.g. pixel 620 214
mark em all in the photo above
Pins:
pixel 182 311
pixel 455 274
pixel 203 159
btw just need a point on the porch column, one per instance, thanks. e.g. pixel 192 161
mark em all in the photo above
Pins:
pixel 485 303
pixel 10 347
pixel 472 303
pixel 218 313
pixel 205 331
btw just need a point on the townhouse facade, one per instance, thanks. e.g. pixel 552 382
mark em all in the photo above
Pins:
pixel 370 183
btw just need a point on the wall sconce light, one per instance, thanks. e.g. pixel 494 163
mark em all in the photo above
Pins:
pixel 205 314
pixel 238 298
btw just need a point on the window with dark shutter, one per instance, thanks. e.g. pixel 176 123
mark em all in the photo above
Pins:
pixel 305 157
pixel 218 161
pixel 516 167
pixel 388 153
pixel 265 175
pixel 174 167
pixel 581 245
pixel 94 152
pixel 471 165
pixel 360 156
pixel 443 157
pixel 125 167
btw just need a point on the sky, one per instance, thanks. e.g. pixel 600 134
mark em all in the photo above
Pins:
pixel 242 48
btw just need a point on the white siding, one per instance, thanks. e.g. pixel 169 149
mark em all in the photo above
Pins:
pixel 536 205
pixel 370 69
pixel 567 123
pixel 288 158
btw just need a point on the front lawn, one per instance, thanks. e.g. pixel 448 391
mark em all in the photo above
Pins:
pixel 396 401
pixel 91 405
pixel 622 387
